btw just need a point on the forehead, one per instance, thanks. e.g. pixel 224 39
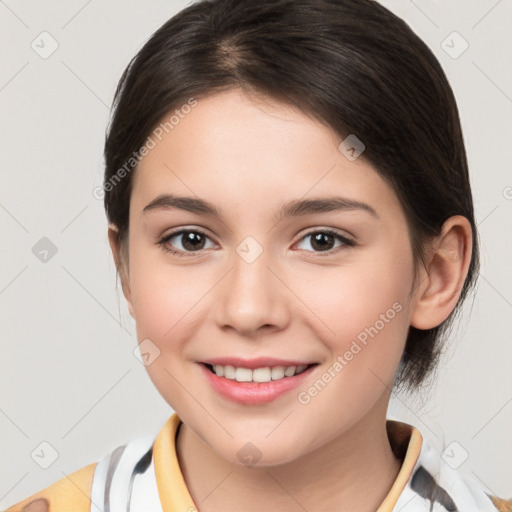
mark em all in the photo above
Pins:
pixel 254 153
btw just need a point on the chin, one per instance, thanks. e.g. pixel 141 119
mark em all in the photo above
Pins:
pixel 260 452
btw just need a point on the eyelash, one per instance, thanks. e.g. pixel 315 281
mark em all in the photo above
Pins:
pixel 345 241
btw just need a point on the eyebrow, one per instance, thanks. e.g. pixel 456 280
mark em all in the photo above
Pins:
pixel 293 208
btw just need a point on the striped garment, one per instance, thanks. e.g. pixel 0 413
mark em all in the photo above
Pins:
pixel 144 476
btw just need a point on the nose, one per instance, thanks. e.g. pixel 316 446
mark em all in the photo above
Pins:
pixel 252 298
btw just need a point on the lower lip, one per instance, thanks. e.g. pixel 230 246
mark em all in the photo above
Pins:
pixel 254 393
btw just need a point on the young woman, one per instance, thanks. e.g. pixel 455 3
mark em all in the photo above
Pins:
pixel 291 218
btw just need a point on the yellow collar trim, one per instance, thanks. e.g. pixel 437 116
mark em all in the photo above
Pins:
pixel 407 439
pixel 175 497
pixel 172 488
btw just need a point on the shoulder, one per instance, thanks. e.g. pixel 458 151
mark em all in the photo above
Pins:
pixel 126 473
pixel 96 483
pixel 430 479
pixel 501 504
pixel 73 492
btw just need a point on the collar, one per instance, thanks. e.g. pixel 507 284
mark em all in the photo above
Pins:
pixel 427 481
pixel 406 442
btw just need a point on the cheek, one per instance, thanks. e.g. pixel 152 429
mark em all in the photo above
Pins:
pixel 349 299
pixel 167 309
pixel 164 296
pixel 365 307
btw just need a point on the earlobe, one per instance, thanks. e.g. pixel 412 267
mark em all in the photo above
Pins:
pixel 444 275
pixel 121 265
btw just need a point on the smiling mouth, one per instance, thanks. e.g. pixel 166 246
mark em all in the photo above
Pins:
pixel 258 375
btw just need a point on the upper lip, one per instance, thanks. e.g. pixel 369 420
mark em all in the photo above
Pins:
pixel 259 362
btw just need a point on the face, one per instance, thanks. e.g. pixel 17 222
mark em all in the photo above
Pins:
pixel 279 314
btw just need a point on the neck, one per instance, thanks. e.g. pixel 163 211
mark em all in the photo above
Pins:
pixel 354 471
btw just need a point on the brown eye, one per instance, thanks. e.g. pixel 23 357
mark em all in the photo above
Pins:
pixel 192 241
pixel 184 241
pixel 325 240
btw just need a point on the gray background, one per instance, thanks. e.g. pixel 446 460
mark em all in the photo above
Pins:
pixel 68 374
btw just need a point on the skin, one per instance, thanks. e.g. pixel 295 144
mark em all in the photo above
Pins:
pixel 249 155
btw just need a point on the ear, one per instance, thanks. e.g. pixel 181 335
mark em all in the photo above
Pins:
pixel 121 265
pixel 444 274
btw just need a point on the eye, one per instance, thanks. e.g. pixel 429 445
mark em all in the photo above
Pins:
pixel 190 240
pixel 193 241
pixel 324 240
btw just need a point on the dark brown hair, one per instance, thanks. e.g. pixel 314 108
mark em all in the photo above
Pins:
pixel 351 64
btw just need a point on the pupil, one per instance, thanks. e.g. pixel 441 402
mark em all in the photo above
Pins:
pixel 192 240
pixel 322 241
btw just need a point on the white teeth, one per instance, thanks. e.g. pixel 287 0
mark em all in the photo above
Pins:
pixel 261 375
pixel 264 374
pixel 277 372
pixel 229 372
pixel 243 375
pixel 290 371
